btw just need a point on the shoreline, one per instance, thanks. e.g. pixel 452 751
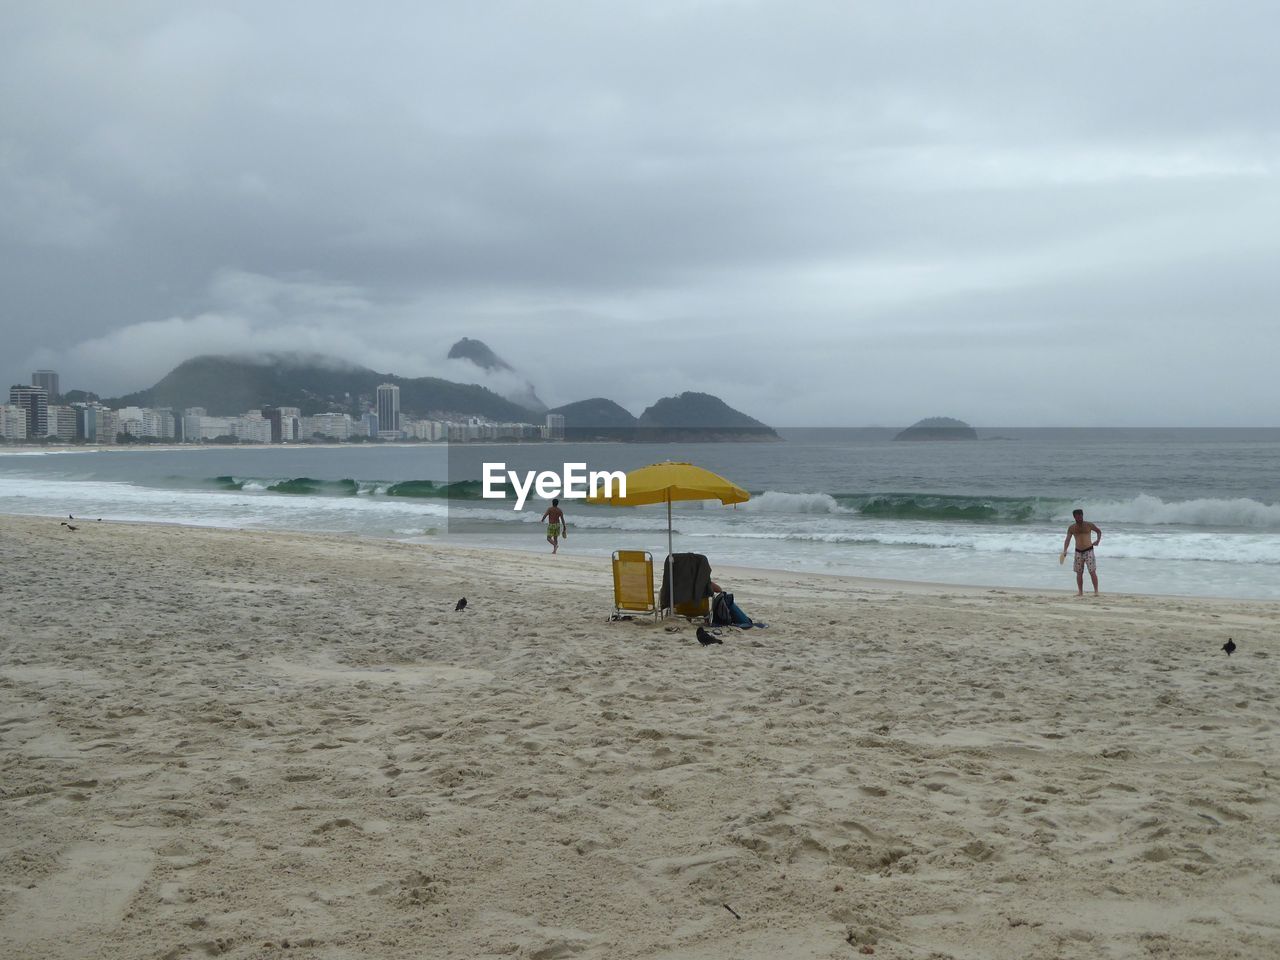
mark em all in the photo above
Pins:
pixel 923 587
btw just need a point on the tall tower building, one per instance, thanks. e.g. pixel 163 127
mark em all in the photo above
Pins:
pixel 272 414
pixel 35 400
pixel 86 415
pixel 388 408
pixel 49 380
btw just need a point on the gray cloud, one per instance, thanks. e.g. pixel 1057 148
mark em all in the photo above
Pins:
pixel 824 213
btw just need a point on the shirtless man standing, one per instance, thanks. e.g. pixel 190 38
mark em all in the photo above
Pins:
pixel 1083 531
pixel 556 527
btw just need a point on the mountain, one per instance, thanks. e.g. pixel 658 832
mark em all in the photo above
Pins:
pixel 230 385
pixel 596 419
pixel 596 412
pixel 700 416
pixel 938 428
pixel 479 354
pixel 692 409
pixel 690 416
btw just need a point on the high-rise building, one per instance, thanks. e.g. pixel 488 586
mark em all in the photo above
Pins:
pixel 47 379
pixel 555 426
pixel 86 415
pixel 290 424
pixel 272 416
pixel 107 425
pixel 13 422
pixel 35 400
pixel 62 422
pixel 388 408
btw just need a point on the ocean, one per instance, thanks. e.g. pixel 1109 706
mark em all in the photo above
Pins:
pixel 1191 512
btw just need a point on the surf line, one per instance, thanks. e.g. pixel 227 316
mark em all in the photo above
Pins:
pixel 574 482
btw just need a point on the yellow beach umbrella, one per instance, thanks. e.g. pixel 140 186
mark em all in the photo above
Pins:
pixel 669 482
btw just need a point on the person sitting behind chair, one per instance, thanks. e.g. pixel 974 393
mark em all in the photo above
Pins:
pixel 740 619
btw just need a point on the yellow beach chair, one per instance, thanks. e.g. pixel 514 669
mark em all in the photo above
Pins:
pixel 695 610
pixel 633 583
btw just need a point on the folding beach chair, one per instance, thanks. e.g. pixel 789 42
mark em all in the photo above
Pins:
pixel 695 610
pixel 693 573
pixel 633 583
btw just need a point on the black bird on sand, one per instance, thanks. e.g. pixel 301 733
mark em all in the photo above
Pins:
pixel 462 605
pixel 69 526
pixel 706 639
pixel 1229 646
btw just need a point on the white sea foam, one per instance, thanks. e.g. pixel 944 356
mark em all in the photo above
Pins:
pixel 774 501
pixel 792 529
pixel 1152 511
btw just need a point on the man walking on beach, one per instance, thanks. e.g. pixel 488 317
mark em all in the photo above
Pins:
pixel 1083 532
pixel 556 526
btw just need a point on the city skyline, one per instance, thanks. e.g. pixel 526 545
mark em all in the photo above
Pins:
pixel 28 416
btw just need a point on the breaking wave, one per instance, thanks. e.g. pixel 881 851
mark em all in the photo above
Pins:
pixel 1144 510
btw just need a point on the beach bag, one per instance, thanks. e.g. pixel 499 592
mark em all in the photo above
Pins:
pixel 722 610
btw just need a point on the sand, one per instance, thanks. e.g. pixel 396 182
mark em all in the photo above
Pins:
pixel 222 743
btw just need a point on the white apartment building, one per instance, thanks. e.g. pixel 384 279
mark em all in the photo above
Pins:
pixel 290 424
pixel 338 426
pixel 145 422
pixel 13 421
pixel 424 429
pixel 62 422
pixel 107 425
pixel 208 428
pixel 474 428
pixel 252 427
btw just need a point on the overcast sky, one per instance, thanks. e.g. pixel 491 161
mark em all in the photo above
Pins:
pixel 833 213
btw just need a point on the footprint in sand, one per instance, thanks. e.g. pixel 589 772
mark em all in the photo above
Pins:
pixel 338 824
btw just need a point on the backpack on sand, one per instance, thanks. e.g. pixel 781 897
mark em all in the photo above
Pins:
pixel 722 610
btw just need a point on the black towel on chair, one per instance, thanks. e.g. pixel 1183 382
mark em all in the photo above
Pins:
pixel 692 574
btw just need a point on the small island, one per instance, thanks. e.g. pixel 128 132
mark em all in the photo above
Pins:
pixel 938 428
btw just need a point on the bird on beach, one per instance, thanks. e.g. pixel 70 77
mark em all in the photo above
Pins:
pixel 462 605
pixel 706 639
pixel 69 526
pixel 1229 646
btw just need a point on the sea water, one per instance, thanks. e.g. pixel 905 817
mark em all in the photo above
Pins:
pixel 1190 512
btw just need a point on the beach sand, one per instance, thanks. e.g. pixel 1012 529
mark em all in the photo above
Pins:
pixel 221 743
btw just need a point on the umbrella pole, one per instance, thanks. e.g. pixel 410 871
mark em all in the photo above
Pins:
pixel 671 567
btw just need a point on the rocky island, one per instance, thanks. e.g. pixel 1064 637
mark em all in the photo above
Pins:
pixel 938 428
